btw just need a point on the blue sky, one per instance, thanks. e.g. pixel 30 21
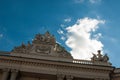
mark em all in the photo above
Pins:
pixel 20 20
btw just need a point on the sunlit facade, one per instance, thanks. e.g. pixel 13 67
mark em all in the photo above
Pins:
pixel 44 59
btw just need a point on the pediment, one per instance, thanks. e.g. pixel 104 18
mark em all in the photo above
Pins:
pixel 42 45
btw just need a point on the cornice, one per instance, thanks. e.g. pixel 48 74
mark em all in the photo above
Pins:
pixel 62 64
pixel 54 67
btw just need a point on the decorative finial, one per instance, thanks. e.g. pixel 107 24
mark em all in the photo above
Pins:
pixel 23 45
pixel 47 33
pixel 28 43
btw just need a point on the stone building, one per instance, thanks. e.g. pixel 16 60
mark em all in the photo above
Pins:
pixel 44 59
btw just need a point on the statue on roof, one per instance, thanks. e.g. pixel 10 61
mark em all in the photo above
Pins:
pixel 43 44
pixel 94 57
pixel 105 58
pixel 47 34
pixel 100 57
pixel 46 38
pixel 20 48
pixel 61 50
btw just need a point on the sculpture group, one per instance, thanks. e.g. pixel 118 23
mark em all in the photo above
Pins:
pixel 100 57
pixel 43 44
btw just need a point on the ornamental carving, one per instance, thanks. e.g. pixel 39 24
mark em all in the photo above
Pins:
pixel 43 49
pixel 42 44
pixel 46 38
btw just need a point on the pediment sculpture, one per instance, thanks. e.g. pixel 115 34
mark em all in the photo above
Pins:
pixel 42 44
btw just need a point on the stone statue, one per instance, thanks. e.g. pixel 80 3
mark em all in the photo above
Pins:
pixel 61 51
pixel 23 45
pixel 100 57
pixel 105 58
pixel 20 49
pixel 94 57
pixel 58 48
pixel 37 37
pixel 29 45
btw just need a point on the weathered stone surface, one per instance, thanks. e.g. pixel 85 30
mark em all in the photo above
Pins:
pixel 44 59
pixel 42 44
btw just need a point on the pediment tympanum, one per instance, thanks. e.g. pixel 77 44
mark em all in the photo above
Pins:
pixel 42 45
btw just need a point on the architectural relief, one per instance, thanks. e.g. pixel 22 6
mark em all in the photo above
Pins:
pixel 44 59
pixel 43 44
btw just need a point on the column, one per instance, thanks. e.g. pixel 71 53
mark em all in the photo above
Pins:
pixel 13 74
pixel 5 74
pixel 69 77
pixel 60 77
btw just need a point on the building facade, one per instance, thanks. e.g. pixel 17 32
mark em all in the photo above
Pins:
pixel 44 59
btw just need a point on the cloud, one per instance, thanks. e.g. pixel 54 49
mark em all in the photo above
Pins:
pixel 97 36
pixel 85 1
pixel 60 31
pixel 79 38
pixel 94 1
pixel 79 1
pixel 62 25
pixel 62 38
pixel 1 35
pixel 67 20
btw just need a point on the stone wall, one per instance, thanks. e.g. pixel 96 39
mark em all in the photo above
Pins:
pixel 116 75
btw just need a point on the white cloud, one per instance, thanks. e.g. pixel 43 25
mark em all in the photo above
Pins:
pixel 79 1
pixel 1 35
pixel 94 1
pixel 85 1
pixel 79 38
pixel 63 38
pixel 67 20
pixel 97 36
pixel 60 31
pixel 62 25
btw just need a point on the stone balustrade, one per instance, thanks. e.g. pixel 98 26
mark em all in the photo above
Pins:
pixel 91 62
pixel 82 61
